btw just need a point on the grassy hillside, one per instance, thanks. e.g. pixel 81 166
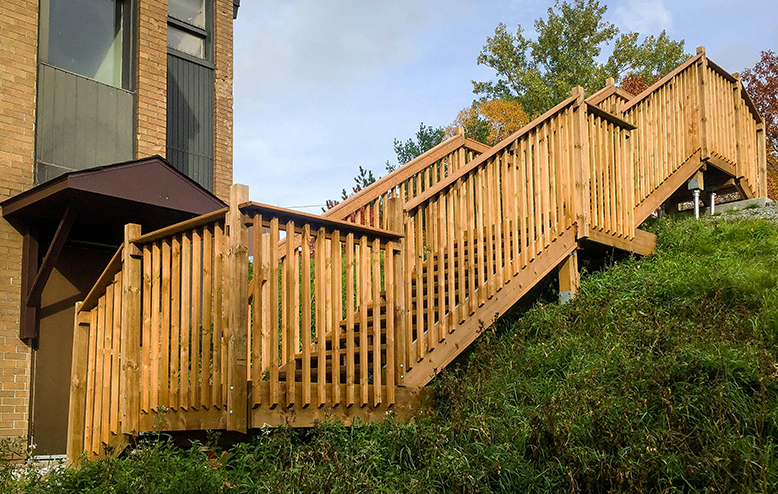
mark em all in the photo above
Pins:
pixel 661 376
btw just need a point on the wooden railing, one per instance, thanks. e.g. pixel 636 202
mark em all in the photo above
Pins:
pixel 696 108
pixel 610 174
pixel 668 120
pixel 98 381
pixel 173 331
pixel 349 320
pixel 734 127
pixel 473 232
pixel 408 181
pixel 323 316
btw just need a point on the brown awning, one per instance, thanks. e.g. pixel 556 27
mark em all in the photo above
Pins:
pixel 92 206
pixel 147 191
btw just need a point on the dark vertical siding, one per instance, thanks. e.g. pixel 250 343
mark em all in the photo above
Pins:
pixel 190 119
pixel 81 124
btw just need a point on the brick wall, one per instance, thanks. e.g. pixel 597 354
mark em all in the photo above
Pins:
pixel 18 57
pixel 151 82
pixel 222 116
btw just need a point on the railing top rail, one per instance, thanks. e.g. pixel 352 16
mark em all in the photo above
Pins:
pixel 114 266
pixel 749 102
pixel 607 91
pixel 451 179
pixel 181 227
pixel 364 196
pixel 285 215
pixel 591 108
pixel 664 80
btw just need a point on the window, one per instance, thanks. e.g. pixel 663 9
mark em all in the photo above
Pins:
pixel 188 27
pixel 87 37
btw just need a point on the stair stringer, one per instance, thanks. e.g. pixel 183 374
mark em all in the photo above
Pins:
pixel 466 333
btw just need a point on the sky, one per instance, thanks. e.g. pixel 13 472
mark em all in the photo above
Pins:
pixel 325 86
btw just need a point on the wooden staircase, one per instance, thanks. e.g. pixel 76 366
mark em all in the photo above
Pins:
pixel 350 314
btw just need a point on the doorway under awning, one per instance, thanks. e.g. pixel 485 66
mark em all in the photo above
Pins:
pixel 72 226
pixel 90 208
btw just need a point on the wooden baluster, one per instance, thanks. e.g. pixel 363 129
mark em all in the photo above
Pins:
pixel 377 367
pixel 175 321
pixel 336 287
pixel 410 301
pixel 419 259
pixel 207 287
pixel 305 261
pixel 321 316
pixel 116 341
pixel 146 340
pixel 219 396
pixel 291 310
pixel 364 289
pixel 351 378
pixel 156 259
pixel 164 338
pixel 186 320
pixel 195 322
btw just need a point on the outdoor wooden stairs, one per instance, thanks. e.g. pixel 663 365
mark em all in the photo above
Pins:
pixel 348 315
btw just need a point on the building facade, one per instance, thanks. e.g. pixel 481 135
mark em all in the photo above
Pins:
pixel 87 83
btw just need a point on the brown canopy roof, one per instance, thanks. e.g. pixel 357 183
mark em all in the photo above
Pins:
pixel 147 191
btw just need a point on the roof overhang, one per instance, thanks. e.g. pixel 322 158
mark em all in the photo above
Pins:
pixel 148 191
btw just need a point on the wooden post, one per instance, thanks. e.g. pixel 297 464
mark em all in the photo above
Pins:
pixel 740 166
pixel 78 377
pixel 581 162
pixel 569 278
pixel 396 224
pixel 761 154
pixel 237 339
pixel 130 371
pixel 702 68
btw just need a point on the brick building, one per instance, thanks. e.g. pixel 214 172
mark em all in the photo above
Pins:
pixel 84 84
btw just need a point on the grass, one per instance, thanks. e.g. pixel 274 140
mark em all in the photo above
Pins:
pixel 661 376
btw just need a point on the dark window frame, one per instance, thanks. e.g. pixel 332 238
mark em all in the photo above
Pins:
pixel 129 42
pixel 205 34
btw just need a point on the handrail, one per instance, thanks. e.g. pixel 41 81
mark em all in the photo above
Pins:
pixel 661 82
pixel 180 227
pixel 610 117
pixel 403 173
pixel 452 179
pixel 114 266
pixel 285 215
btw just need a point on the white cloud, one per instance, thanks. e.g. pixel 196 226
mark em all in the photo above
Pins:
pixel 305 44
pixel 643 16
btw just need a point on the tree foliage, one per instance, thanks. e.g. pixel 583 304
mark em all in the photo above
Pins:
pixel 490 121
pixel 541 72
pixel 761 81
pixel 363 179
pixel 426 138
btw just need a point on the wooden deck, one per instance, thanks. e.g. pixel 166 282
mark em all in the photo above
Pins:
pixel 350 314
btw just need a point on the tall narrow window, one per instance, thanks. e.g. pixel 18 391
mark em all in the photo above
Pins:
pixel 190 89
pixel 88 38
pixel 187 30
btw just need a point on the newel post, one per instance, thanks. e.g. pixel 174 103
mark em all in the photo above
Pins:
pixel 581 162
pixel 130 374
pixel 702 72
pixel 396 223
pixel 78 372
pixel 237 299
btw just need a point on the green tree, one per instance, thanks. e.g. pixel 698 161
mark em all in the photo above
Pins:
pixel 540 72
pixel 426 138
